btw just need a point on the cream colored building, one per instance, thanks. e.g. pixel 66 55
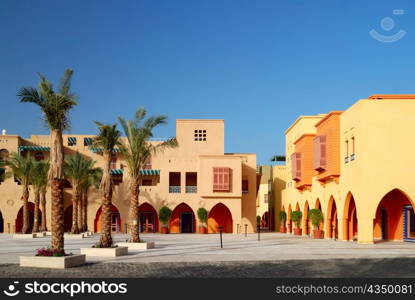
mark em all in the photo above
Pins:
pixel 356 166
pixel 196 174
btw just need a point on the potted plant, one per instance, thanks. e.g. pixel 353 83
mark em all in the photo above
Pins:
pixel 202 215
pixel 164 217
pixel 296 217
pixel 316 218
pixel 258 220
pixel 283 219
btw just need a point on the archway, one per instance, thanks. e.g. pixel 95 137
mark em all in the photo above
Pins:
pixel 289 221
pixel 332 222
pixel 350 222
pixel 182 219
pixel 265 220
pixel 148 218
pixel 115 220
pixel 219 215
pixel 395 219
pixel 68 218
pixel 19 219
pixel 318 206
pixel 306 222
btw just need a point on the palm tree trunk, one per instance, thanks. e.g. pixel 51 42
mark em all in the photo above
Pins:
pixel 36 214
pixel 106 189
pixel 80 212
pixel 85 215
pixel 133 213
pixel 56 177
pixel 75 204
pixel 25 198
pixel 43 226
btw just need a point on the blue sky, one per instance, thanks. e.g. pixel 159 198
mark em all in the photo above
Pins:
pixel 256 64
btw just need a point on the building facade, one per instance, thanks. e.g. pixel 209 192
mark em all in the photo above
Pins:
pixel 356 166
pixel 198 173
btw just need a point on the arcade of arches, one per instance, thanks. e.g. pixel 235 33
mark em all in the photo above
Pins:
pixel 394 219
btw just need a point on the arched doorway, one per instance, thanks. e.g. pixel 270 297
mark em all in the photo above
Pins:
pixel 220 215
pixel 306 222
pixel 115 220
pixel 68 218
pixel 148 218
pixel 395 219
pixel 318 206
pixel 350 222
pixel 182 219
pixel 265 220
pixel 332 222
pixel 289 221
pixel 19 219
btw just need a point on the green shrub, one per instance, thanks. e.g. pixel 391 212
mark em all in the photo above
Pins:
pixel 164 215
pixel 258 220
pixel 202 214
pixel 316 217
pixel 283 216
pixel 296 216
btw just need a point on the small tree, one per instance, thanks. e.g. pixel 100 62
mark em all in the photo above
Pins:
pixel 258 220
pixel 164 215
pixel 202 214
pixel 296 216
pixel 283 217
pixel 316 217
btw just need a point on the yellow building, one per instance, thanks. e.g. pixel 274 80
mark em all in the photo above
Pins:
pixel 357 167
pixel 196 174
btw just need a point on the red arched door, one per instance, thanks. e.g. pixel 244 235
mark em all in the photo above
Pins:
pixel 148 218
pixel 115 220
pixel 182 219
pixel 219 215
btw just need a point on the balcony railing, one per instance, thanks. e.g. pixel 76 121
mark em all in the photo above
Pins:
pixel 352 157
pixel 174 189
pixel 346 159
pixel 190 189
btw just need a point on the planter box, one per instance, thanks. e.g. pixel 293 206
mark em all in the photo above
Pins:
pixel 283 229
pixel 164 230
pixel 24 236
pixel 73 236
pixel 39 234
pixel 297 231
pixel 47 233
pixel 52 262
pixel 111 252
pixel 318 234
pixel 137 246
pixel 202 230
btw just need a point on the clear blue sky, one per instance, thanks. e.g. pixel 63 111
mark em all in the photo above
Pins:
pixel 256 64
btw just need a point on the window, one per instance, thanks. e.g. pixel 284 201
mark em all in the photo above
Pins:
pixel 200 135
pixel 346 159
pixel 71 141
pixel 221 179
pixel 352 156
pixel 147 182
pixel 245 185
pixel 265 198
pixel 174 182
pixel 87 141
pixel 319 153
pixel 296 166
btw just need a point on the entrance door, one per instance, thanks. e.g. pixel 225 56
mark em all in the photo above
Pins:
pixel 147 221
pixel 409 223
pixel 115 224
pixel 186 222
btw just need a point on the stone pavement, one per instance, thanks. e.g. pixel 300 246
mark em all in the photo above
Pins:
pixel 178 255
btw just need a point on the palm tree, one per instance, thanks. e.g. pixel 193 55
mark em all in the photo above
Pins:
pixel 55 107
pixel 77 170
pixel 39 182
pixel 138 151
pixel 21 167
pixel 94 179
pixel 108 139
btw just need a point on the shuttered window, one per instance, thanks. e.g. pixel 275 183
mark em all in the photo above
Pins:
pixel 296 166
pixel 319 153
pixel 221 179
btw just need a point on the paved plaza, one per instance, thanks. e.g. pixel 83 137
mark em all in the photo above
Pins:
pixel 194 255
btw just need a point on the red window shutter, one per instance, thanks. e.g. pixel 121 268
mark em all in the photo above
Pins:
pixel 226 179
pixel 319 153
pixel 316 152
pixel 215 179
pixel 323 152
pixel 298 166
